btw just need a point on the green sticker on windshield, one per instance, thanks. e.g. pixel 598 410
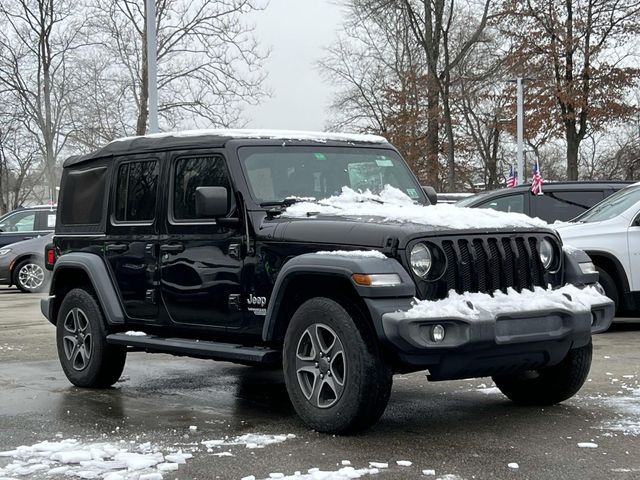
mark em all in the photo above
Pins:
pixel 412 192
pixel 320 156
pixel 384 163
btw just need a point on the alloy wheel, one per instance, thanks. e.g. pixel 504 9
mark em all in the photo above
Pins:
pixel 77 339
pixel 31 276
pixel 321 366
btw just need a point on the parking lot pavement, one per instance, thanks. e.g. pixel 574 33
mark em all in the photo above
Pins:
pixel 465 429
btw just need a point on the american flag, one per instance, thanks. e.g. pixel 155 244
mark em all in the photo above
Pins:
pixel 536 180
pixel 512 181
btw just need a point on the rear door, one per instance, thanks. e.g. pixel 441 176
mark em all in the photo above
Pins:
pixel 200 261
pixel 131 249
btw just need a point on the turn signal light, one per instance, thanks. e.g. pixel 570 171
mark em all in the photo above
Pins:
pixel 377 279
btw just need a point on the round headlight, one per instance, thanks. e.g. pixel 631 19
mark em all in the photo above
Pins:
pixel 546 253
pixel 420 260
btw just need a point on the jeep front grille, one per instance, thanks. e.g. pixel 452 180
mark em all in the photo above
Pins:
pixel 490 263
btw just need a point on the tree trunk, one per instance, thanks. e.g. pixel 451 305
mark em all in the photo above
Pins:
pixel 492 158
pixel 433 122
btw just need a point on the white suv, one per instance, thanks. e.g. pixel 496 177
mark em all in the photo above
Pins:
pixel 610 233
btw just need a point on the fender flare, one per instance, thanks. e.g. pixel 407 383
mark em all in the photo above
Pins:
pixel 93 265
pixel 343 266
pixel 620 271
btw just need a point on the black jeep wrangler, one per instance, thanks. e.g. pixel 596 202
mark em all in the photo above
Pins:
pixel 317 254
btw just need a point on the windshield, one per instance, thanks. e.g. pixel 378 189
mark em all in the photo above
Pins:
pixel 611 206
pixel 277 173
pixel 465 202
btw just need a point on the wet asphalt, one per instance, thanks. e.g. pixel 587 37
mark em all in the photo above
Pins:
pixel 461 428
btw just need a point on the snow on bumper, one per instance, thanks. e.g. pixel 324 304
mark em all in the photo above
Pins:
pixel 523 317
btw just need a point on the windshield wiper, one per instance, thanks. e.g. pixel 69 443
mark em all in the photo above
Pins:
pixel 279 206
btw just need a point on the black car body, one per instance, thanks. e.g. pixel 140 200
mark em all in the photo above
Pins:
pixel 25 223
pixel 191 240
pixel 22 264
pixel 560 201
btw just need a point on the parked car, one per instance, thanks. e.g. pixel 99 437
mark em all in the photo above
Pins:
pixel 609 233
pixel 25 223
pixel 22 264
pixel 560 200
pixel 216 244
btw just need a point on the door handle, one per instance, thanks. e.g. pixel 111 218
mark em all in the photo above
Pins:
pixel 172 248
pixel 117 247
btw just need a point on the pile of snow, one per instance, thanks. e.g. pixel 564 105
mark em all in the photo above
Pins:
pixel 321 137
pixel 474 305
pixel 344 473
pixel 392 205
pixel 355 253
pixel 91 460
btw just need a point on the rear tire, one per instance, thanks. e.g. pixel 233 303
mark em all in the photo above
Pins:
pixel 336 377
pixel 550 385
pixel 86 358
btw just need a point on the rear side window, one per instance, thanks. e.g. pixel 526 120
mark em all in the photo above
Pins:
pixel 83 197
pixel 191 173
pixel 136 189
pixel 559 205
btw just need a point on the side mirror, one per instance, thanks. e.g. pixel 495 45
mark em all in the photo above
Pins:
pixel 212 202
pixel 431 194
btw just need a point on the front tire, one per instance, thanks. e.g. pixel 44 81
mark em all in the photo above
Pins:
pixel 86 358
pixel 30 276
pixel 336 377
pixel 550 385
pixel 609 286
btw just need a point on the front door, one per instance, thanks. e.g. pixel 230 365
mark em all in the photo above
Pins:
pixel 131 249
pixel 200 263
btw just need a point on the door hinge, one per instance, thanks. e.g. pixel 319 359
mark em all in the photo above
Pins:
pixel 235 251
pixel 234 301
pixel 150 296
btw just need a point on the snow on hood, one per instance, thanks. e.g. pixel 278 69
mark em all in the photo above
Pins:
pixel 471 305
pixel 392 205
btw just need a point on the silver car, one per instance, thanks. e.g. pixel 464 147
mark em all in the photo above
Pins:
pixel 22 264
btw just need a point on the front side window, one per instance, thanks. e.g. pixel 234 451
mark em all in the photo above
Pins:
pixel 276 173
pixel 509 203
pixel 19 222
pixel 191 173
pixel 136 191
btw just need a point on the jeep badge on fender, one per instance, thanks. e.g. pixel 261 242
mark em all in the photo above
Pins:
pixel 319 253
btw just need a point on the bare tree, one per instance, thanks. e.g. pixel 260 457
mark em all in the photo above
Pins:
pixel 209 64
pixel 37 39
pixel 578 53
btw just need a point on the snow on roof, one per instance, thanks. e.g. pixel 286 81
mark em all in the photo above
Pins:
pixel 267 134
pixel 472 305
pixel 392 205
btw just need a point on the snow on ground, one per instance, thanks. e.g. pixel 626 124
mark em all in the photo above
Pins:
pixel 393 206
pixel 109 461
pixel 473 305
pixel 628 408
pixel 356 253
pixel 114 460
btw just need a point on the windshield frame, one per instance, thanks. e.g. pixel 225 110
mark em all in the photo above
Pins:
pixel 611 198
pixel 245 150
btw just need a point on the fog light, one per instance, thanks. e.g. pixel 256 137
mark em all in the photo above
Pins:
pixel 437 333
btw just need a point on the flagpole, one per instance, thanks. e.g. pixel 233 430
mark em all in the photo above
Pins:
pixel 520 127
pixel 152 75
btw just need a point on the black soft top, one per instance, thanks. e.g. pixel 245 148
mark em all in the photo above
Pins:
pixel 213 139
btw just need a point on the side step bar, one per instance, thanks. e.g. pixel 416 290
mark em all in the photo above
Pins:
pixel 198 348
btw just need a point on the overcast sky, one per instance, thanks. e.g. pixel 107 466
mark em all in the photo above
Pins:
pixel 297 31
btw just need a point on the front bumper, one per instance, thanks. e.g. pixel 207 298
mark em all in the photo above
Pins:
pixel 5 272
pixel 490 344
